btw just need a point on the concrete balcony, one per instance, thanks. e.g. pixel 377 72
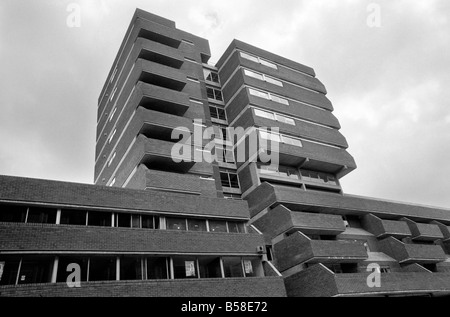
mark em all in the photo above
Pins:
pixel 162 99
pixel 303 284
pixel 298 249
pixel 268 195
pixel 423 231
pixel 282 220
pixel 303 129
pixel 159 53
pixel 63 238
pixel 444 229
pixel 381 228
pixel 159 153
pixel 179 182
pixel 218 287
pixel 411 253
pixel 159 125
pixel 159 75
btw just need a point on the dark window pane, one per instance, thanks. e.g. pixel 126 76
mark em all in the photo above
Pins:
pixel 233 267
pixel 221 114
pixel 10 213
pixel 148 222
pixel 41 215
pixel 210 93
pixel 196 225
pixel 234 182
pixel 236 227
pixel 213 112
pixel 218 95
pixel 215 77
pixel 210 268
pixel 157 269
pixel 217 226
pixel 10 266
pixel 36 270
pixel 176 223
pixel 99 219
pixel 73 217
pixel 135 221
pixel 123 220
pixel 102 269
pixel 130 268
pixel 225 180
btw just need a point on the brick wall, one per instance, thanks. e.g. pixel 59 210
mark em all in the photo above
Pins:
pixel 38 237
pixel 249 287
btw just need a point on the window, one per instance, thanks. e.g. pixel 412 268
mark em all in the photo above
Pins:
pixel 176 224
pixel 130 268
pixel 236 227
pixel 270 136
pixel 99 219
pixel 250 57
pixel 282 171
pixel 41 215
pixel 268 96
pixel 279 100
pixel 232 196
pixel 225 155
pixel 196 225
pixel 112 136
pixel 264 114
pixel 291 141
pixel 321 178
pixel 12 213
pixel 232 267
pixel 263 77
pixel 229 180
pixel 113 93
pixel 102 269
pixel 63 263
pixel 9 265
pixel 112 159
pixel 385 269
pixel 113 75
pixel 258 60
pixel 150 222
pixel 211 76
pixel 157 269
pixel 259 93
pixel 217 113
pixel 254 75
pixel 185 267
pixel 73 217
pixel 284 119
pixel 112 114
pixel 209 267
pixel 36 269
pixel 274 116
pixel 217 226
pixel 268 64
pixel 252 267
pixel 215 94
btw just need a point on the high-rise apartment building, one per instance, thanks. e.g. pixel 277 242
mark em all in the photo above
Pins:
pixel 161 221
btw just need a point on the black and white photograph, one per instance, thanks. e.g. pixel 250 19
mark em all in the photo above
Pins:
pixel 224 154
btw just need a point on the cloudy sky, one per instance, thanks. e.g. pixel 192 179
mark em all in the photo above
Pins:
pixel 389 84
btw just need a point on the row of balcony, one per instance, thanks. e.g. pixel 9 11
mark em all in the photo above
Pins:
pixel 304 284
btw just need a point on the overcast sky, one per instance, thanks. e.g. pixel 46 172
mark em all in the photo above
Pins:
pixel 389 85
